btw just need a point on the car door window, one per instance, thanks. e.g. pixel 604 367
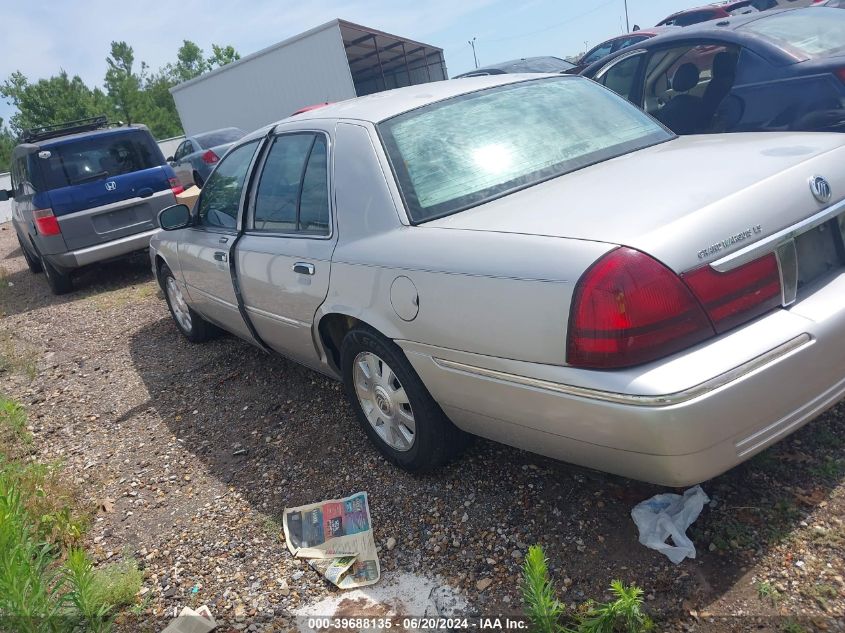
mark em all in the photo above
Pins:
pixel 685 85
pixel 603 50
pixel 621 77
pixel 221 196
pixel 181 151
pixel 292 193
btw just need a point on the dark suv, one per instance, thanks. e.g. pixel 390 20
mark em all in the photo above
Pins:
pixel 85 192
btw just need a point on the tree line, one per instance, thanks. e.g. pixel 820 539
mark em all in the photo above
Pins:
pixel 131 94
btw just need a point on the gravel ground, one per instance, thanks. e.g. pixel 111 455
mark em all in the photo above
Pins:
pixel 142 417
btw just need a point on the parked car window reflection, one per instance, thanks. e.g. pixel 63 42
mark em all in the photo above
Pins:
pixel 278 189
pixel 221 195
pixel 620 77
pixel 314 206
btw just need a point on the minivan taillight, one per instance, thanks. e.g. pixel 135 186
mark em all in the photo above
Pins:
pixel 734 297
pixel 840 72
pixel 175 186
pixel 630 309
pixel 209 158
pixel 45 222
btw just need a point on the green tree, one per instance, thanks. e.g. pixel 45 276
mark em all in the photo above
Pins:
pixel 49 101
pixel 122 83
pixel 7 144
pixel 190 63
pixel 222 55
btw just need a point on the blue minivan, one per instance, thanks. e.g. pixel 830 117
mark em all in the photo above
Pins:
pixel 86 192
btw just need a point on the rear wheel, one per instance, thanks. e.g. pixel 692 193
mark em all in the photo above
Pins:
pixel 60 282
pixel 192 326
pixel 393 406
pixel 32 263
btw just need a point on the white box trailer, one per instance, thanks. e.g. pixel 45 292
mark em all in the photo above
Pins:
pixel 336 61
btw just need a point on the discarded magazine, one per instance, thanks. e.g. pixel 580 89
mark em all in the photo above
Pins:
pixel 337 538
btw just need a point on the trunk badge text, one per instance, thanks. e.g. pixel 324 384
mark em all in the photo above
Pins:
pixel 730 241
pixel 820 188
pixel 111 185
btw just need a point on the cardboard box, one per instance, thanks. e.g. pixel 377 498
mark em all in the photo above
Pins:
pixel 189 196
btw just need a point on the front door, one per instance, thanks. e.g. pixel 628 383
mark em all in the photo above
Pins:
pixel 284 258
pixel 204 250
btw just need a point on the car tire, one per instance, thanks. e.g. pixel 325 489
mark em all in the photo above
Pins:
pixel 33 263
pixel 192 326
pixel 198 181
pixel 395 396
pixel 60 282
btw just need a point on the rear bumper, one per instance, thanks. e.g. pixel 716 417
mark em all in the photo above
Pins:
pixel 102 252
pixel 792 371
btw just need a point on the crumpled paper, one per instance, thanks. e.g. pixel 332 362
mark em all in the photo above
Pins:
pixel 669 515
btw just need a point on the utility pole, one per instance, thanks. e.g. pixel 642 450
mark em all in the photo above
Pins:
pixel 627 24
pixel 474 56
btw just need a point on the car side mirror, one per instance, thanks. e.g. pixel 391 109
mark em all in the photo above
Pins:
pixel 175 217
pixel 5 194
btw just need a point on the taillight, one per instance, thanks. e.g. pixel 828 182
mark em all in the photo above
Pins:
pixel 840 72
pixel 630 309
pixel 175 186
pixel 209 158
pixel 45 222
pixel 734 297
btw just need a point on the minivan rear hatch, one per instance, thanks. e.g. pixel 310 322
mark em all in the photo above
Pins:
pixel 105 186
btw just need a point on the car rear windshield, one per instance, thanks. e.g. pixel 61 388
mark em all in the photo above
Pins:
pixel 95 157
pixel 467 150
pixel 815 33
pixel 219 137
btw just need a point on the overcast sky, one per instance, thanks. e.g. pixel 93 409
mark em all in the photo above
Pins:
pixel 41 37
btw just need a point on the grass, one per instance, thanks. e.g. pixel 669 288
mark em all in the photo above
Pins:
pixel 15 359
pixel 123 297
pixel 767 591
pixel 791 626
pixel 47 584
pixel 545 611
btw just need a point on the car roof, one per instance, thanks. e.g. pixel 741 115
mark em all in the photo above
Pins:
pixel 384 105
pixel 546 63
pixel 69 138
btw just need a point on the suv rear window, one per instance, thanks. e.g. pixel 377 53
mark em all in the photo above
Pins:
pixel 816 33
pixel 467 150
pixel 100 156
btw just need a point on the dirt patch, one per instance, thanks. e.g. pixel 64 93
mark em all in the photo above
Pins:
pixel 142 417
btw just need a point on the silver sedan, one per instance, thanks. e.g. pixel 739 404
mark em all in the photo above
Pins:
pixel 533 260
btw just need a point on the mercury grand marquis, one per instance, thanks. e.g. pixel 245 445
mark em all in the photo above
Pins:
pixel 533 260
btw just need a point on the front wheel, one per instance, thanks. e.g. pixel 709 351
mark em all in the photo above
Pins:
pixel 393 406
pixel 192 326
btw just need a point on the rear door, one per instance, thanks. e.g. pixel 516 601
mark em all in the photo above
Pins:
pixel 105 186
pixel 204 247
pixel 284 258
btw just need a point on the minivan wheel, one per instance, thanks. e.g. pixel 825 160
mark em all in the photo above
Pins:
pixel 192 326
pixel 32 263
pixel 60 283
pixel 393 406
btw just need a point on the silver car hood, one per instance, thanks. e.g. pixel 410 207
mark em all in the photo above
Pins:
pixel 678 198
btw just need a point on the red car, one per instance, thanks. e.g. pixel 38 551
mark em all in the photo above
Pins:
pixel 713 12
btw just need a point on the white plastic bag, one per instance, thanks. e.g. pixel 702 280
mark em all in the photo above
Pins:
pixel 668 515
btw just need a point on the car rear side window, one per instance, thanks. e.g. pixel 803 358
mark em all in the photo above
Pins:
pixel 816 33
pixel 94 157
pixel 292 195
pixel 467 150
pixel 221 195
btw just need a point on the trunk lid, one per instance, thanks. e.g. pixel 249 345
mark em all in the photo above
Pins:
pixel 686 202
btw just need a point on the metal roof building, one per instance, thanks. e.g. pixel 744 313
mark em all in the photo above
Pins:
pixel 332 62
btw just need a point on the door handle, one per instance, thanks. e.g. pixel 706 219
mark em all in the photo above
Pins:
pixel 303 268
pixel 220 256
pixel 223 240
